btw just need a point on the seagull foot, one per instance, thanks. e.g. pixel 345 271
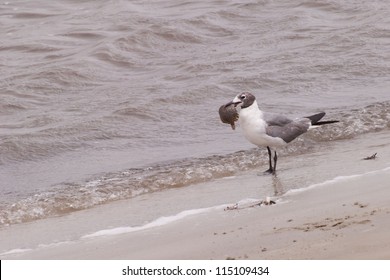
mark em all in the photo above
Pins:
pixel 270 171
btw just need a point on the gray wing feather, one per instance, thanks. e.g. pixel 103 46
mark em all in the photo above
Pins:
pixel 275 119
pixel 288 131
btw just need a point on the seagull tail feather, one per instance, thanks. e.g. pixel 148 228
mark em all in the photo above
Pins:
pixel 315 119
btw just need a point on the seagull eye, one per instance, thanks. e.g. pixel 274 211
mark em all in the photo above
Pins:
pixel 243 96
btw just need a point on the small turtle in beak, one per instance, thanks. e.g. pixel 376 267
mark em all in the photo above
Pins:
pixel 228 114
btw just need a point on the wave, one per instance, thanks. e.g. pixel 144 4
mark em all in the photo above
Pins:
pixel 336 180
pixel 355 122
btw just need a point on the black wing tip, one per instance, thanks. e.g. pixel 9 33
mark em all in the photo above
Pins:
pixel 325 122
pixel 315 119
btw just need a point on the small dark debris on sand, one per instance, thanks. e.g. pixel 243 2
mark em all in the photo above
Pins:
pixel 370 157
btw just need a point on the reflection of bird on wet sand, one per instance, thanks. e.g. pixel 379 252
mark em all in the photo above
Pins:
pixel 278 186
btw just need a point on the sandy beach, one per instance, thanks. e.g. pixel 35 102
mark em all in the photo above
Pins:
pixel 340 213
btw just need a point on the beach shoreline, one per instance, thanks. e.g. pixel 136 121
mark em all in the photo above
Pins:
pixel 344 214
pixel 351 223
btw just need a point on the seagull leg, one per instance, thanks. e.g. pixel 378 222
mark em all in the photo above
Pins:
pixel 270 170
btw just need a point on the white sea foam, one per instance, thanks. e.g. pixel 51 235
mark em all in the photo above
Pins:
pixel 15 251
pixel 165 220
pixel 338 179
pixel 40 246
pixel 156 223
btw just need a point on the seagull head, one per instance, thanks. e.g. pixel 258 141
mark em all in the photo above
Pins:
pixel 243 100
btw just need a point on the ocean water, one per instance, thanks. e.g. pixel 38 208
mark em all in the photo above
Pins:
pixel 102 101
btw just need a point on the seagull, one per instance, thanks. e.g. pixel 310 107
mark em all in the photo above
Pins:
pixel 271 130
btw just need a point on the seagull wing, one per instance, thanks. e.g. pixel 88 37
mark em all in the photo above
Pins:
pixel 275 119
pixel 284 127
pixel 289 131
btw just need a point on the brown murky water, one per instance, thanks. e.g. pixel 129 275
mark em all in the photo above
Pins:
pixel 104 100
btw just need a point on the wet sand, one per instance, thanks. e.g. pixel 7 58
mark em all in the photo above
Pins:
pixel 337 221
pixel 344 216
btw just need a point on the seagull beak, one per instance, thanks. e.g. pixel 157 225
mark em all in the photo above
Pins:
pixel 234 102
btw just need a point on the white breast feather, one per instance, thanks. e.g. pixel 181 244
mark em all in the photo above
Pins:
pixel 253 125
